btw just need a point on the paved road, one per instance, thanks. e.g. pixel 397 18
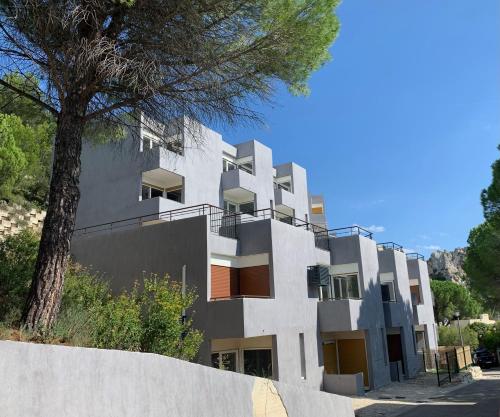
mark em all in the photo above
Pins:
pixel 480 399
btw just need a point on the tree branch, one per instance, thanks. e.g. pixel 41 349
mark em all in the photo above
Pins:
pixel 32 98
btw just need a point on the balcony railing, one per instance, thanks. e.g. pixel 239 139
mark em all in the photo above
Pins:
pixel 414 255
pixel 390 245
pixel 350 231
pixel 239 296
pixel 222 222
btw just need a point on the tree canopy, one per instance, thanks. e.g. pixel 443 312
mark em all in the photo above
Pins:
pixel 482 262
pixel 100 59
pixel 26 135
pixel 450 298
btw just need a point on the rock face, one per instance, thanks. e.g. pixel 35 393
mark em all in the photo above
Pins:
pixel 448 265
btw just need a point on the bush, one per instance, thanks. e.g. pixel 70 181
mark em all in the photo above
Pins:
pixel 17 262
pixel 491 340
pixel 481 328
pixel 164 331
pixel 118 324
pixel 449 336
pixel 147 320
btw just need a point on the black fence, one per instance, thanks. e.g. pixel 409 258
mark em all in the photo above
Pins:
pixel 222 222
pixel 390 245
pixel 350 231
pixel 446 362
pixel 414 255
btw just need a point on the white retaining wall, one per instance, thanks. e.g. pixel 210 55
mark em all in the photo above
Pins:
pixel 59 381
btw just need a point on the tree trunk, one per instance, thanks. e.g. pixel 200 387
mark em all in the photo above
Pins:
pixel 45 293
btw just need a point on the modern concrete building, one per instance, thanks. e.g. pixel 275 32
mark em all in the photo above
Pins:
pixel 279 295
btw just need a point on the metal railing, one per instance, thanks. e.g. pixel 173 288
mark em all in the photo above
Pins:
pixel 320 233
pixel 350 231
pixel 414 255
pixel 222 222
pixel 390 245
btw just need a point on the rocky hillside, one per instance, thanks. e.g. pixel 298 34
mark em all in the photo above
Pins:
pixel 448 265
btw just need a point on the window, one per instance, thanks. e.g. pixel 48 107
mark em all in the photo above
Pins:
pixel 248 207
pixel 246 165
pixel 229 206
pixel 388 293
pixel 258 362
pixel 147 143
pixel 150 191
pixel 225 360
pixel 285 185
pixel 345 286
pixel 302 356
pixel 228 165
pixel 175 194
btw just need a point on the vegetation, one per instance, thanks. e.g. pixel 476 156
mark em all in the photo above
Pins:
pixel 26 133
pixel 146 319
pixel 450 336
pixel 482 262
pixel 100 60
pixel 450 298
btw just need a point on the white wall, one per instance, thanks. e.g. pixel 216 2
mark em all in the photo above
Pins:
pixel 58 381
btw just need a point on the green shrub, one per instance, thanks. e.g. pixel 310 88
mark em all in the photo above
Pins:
pixel 450 336
pixel 147 320
pixel 164 331
pixel 17 262
pixel 491 340
pixel 118 324
pixel 481 328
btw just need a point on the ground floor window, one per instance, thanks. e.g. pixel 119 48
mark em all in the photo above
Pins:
pixel 256 362
pixel 225 360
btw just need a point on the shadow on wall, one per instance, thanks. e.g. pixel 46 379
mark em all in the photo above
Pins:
pixel 389 334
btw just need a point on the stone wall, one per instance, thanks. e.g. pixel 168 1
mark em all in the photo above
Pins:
pixel 59 381
pixel 14 218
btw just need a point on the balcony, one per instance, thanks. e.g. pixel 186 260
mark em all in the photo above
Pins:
pixel 339 315
pixel 283 197
pixel 236 183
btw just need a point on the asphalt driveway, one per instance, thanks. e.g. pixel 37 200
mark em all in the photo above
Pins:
pixel 480 399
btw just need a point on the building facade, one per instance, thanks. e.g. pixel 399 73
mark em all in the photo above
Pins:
pixel 279 295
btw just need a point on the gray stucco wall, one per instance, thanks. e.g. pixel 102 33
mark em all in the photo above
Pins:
pixel 417 269
pixel 399 314
pixel 57 381
pixel 124 256
pixel 370 315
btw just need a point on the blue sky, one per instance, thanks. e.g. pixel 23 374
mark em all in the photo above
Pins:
pixel 401 127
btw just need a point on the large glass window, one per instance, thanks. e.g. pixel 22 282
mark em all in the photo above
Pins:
pixel 225 360
pixel 345 286
pixel 258 362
